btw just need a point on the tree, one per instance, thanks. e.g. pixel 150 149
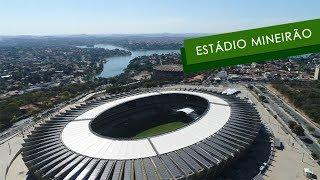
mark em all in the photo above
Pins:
pixel 2 126
pixel 298 130
pixel 14 119
pixel 311 129
pixel 263 98
pixel 292 124
pixel 314 156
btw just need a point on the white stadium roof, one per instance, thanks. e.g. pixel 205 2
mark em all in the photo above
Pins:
pixel 78 137
pixel 64 147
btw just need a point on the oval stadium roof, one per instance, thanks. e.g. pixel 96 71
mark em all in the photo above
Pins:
pixel 66 147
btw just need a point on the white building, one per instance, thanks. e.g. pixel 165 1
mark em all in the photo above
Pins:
pixel 316 73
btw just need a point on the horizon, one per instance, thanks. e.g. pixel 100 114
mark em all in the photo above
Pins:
pixel 98 17
pixel 107 34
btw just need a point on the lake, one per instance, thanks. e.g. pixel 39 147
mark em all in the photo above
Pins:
pixel 115 65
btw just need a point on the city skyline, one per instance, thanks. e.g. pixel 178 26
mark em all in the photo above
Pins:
pixel 142 17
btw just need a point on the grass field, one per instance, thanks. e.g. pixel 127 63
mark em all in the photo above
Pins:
pixel 157 130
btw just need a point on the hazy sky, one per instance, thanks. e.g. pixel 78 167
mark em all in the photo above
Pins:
pixel 54 17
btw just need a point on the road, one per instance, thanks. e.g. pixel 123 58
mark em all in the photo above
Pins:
pixel 287 113
pixel 28 122
pixel 16 128
pixel 304 121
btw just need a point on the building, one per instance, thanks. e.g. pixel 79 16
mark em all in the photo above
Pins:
pixel 316 72
pixel 94 140
pixel 222 75
pixel 168 70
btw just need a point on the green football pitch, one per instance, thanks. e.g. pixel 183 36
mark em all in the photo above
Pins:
pixel 157 130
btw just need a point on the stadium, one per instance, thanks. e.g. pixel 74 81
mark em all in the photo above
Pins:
pixel 144 134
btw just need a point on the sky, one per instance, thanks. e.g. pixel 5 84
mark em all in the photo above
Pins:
pixel 72 17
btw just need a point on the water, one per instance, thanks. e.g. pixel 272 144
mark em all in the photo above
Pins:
pixel 115 65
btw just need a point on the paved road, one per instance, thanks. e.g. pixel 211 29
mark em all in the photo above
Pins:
pixel 7 152
pixel 28 122
pixel 304 121
pixel 288 163
pixel 15 129
pixel 289 114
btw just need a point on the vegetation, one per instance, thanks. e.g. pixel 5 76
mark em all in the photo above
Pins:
pixel 311 129
pixel 296 128
pixel 292 124
pixel 303 94
pixel 46 66
pixel 314 156
pixel 16 107
pixel 263 98
pixel 161 129
pixel 263 89
pixel 117 87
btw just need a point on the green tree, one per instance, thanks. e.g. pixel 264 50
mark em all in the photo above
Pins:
pixel 14 119
pixel 311 129
pixel 298 130
pixel 314 156
pixel 292 124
